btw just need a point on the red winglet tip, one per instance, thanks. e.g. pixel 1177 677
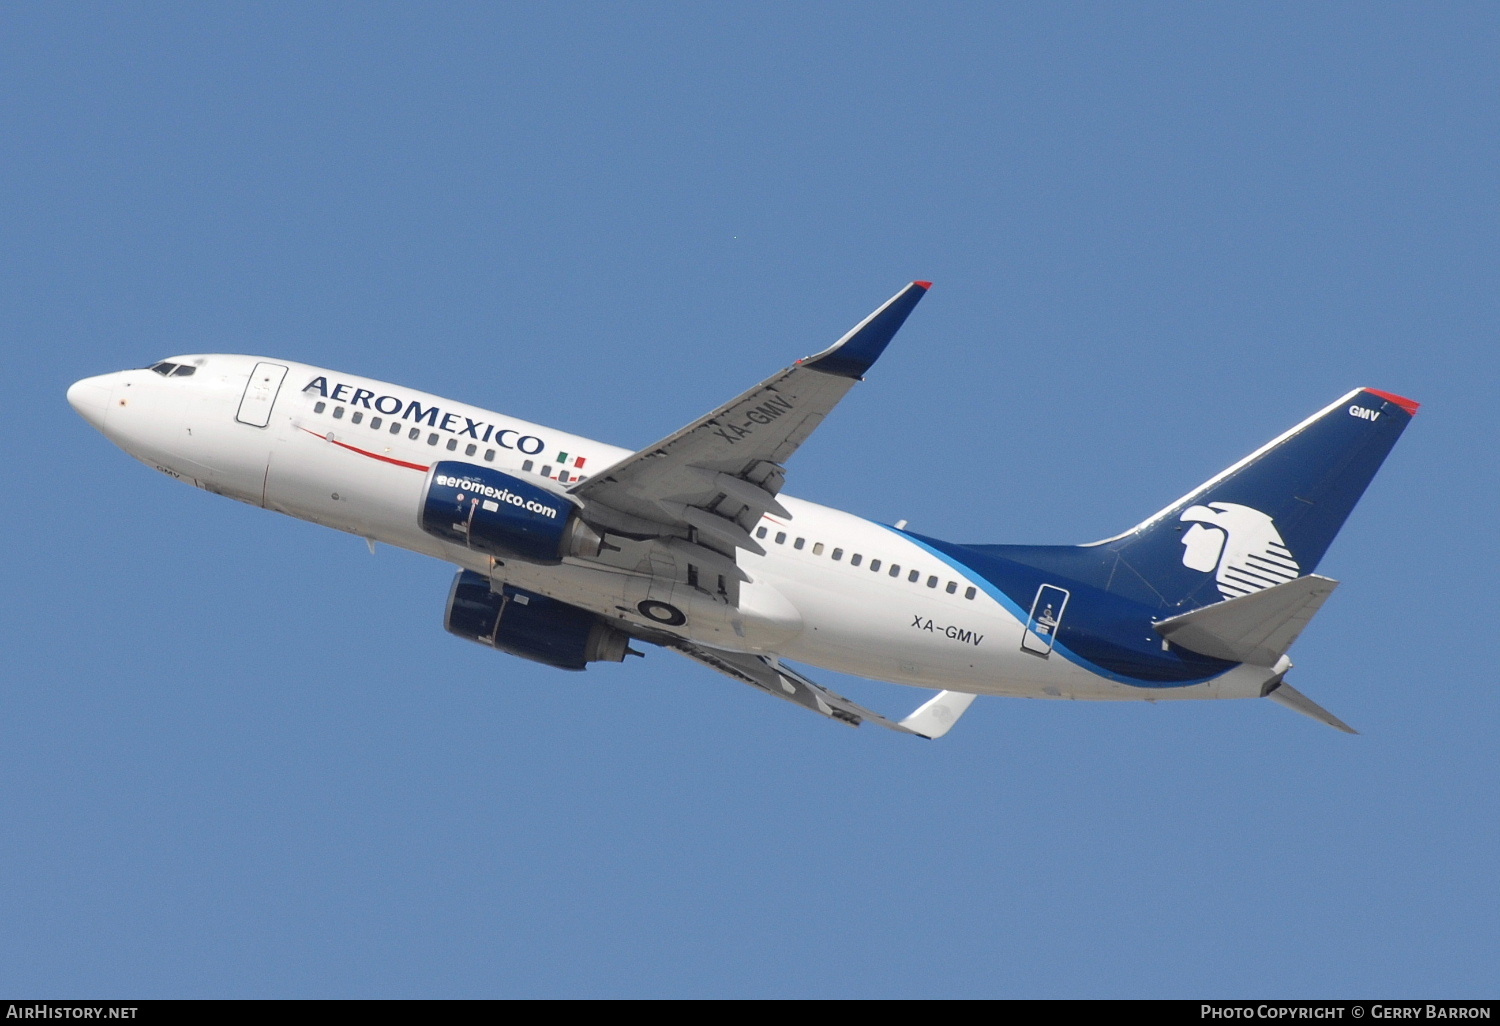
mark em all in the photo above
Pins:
pixel 1409 405
pixel 924 284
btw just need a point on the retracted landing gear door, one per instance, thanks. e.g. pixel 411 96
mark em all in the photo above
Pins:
pixel 260 394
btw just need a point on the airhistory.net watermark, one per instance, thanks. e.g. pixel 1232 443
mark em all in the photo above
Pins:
pixel 43 1010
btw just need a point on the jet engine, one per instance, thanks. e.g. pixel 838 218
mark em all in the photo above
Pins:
pixel 530 626
pixel 495 513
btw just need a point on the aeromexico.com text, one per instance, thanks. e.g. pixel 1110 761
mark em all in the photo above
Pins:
pixel 468 484
pixel 433 416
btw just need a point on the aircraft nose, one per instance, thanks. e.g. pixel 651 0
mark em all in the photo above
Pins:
pixel 90 397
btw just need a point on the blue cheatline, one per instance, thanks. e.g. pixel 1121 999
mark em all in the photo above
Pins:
pixel 1153 668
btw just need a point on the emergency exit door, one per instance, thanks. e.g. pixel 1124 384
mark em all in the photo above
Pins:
pixel 260 394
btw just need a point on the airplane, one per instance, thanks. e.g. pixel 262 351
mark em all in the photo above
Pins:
pixel 569 549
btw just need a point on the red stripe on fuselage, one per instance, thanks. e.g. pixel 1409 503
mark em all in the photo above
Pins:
pixel 372 455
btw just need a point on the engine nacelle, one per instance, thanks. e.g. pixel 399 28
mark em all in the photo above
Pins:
pixel 493 512
pixel 530 626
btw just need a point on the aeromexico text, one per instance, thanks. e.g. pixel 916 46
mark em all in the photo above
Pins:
pixel 432 416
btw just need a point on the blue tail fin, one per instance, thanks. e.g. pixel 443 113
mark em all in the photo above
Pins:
pixel 1265 520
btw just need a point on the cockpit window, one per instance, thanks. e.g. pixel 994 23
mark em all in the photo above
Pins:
pixel 173 370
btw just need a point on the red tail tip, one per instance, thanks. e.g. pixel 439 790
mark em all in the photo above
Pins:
pixel 1409 405
pixel 924 284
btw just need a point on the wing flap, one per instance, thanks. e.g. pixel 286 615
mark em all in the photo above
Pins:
pixel 932 719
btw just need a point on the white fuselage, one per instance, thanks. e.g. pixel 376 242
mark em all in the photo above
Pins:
pixel 354 454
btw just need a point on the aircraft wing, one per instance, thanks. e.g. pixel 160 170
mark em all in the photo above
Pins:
pixel 931 720
pixel 711 482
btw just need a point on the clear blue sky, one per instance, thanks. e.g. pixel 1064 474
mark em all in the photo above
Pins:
pixel 238 754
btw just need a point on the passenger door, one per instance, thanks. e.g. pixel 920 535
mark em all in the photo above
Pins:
pixel 260 394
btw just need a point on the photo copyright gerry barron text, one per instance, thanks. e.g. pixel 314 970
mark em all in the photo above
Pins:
pixel 1353 1010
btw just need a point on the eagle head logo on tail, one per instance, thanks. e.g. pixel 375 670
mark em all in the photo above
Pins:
pixel 1240 543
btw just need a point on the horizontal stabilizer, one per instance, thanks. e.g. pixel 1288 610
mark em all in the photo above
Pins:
pixel 1256 628
pixel 1285 694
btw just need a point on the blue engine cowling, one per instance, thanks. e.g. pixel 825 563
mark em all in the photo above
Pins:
pixel 495 513
pixel 530 626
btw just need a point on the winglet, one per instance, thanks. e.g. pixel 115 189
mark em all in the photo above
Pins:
pixel 938 714
pixel 855 353
pixel 1285 694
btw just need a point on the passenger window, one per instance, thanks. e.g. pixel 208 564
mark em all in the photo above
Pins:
pixel 375 423
pixel 952 587
pixel 396 428
pixel 546 470
pixel 415 433
pixel 914 576
pixel 969 593
pixel 838 554
pixel 856 559
pixel 489 455
pixel 356 417
pixel 432 439
pixel 760 532
pixel 798 543
pixel 780 537
pixel 527 466
pixel 932 582
pixel 470 449
pixel 875 566
pixel 895 570
pixel 320 407
pixel 562 475
pixel 452 443
pixel 817 548
pixel 338 413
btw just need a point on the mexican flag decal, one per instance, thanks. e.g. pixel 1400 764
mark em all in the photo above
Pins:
pixel 562 460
